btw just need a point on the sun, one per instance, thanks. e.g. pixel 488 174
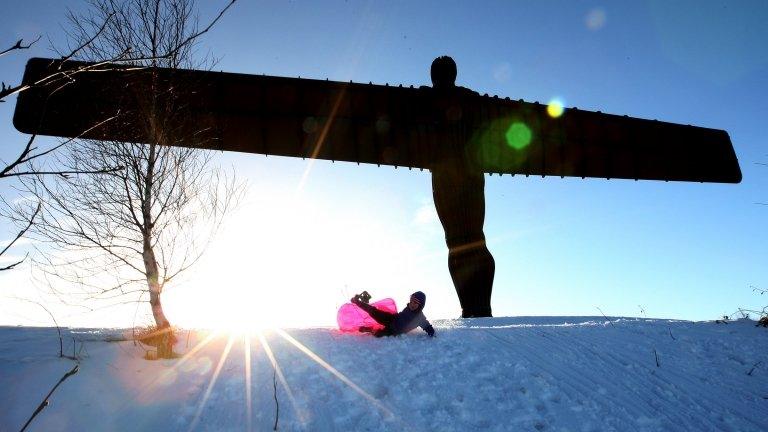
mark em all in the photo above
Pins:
pixel 289 258
pixel 270 266
pixel 248 279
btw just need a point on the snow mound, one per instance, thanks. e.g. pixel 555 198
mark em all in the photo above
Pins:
pixel 495 374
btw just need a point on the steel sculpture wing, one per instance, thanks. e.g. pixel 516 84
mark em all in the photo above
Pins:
pixel 363 123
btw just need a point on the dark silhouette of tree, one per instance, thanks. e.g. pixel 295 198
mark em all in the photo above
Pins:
pixel 118 236
pixel 23 164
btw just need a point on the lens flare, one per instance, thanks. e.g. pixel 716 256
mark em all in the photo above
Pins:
pixel 595 19
pixel 518 135
pixel 211 383
pixel 555 108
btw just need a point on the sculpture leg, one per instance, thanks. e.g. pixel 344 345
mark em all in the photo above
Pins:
pixel 460 203
pixel 472 272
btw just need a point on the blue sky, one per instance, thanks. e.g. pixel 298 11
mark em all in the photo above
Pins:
pixel 562 246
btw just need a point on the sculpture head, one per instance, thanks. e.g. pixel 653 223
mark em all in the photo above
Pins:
pixel 443 72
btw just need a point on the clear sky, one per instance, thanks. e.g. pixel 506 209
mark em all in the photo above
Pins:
pixel 308 236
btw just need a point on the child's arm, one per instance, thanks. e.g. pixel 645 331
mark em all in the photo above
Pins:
pixel 427 327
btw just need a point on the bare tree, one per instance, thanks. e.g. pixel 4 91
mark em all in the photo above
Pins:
pixel 7 169
pixel 22 165
pixel 123 234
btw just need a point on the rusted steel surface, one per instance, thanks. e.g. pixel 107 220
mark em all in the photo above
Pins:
pixel 364 123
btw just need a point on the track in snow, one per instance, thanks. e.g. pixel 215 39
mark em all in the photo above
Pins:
pixel 498 374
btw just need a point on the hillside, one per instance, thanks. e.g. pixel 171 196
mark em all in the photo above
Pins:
pixel 496 374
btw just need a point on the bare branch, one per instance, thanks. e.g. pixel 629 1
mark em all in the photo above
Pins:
pixel 66 173
pixel 45 402
pixel 18 236
pixel 91 39
pixel 58 329
pixel 277 403
pixel 197 35
pixel 19 45
pixel 606 318
pixel 24 155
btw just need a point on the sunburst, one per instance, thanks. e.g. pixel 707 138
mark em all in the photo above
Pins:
pixel 214 377
pixel 340 376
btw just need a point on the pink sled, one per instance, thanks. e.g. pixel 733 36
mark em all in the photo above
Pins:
pixel 351 318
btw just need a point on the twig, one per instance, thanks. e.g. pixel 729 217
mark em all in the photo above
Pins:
pixel 198 34
pixel 80 351
pixel 89 41
pixel 277 404
pixel 606 318
pixel 58 329
pixel 655 354
pixel 18 236
pixel 753 368
pixel 19 45
pixel 135 313
pixel 73 357
pixel 45 402
pixel 670 333
pixel 13 265
pixel 28 155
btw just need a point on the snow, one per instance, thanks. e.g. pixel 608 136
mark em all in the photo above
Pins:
pixel 495 374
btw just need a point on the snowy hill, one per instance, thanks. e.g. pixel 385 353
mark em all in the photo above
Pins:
pixel 499 374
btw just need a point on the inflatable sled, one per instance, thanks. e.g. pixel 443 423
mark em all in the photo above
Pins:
pixel 351 318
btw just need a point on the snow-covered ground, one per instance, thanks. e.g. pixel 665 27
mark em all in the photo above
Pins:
pixel 499 374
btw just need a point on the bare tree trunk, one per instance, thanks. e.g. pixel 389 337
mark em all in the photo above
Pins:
pixel 163 326
pixel 151 269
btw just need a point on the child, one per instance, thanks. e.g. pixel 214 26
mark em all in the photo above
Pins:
pixel 394 324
